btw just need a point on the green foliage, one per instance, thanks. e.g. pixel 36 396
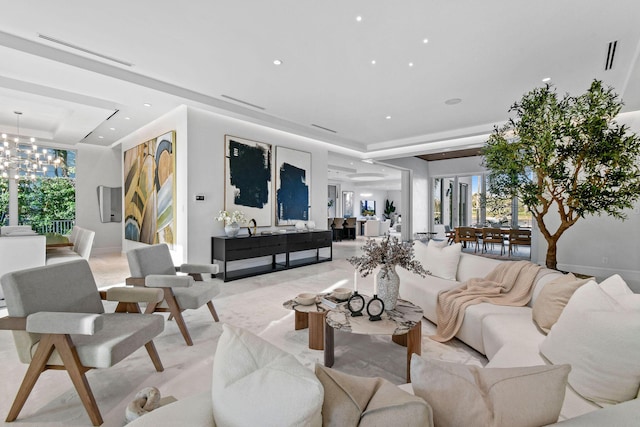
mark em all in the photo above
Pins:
pixel 389 208
pixel 567 152
pixel 45 200
pixel 4 201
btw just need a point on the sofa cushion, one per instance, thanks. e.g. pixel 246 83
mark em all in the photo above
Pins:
pixel 471 266
pixel 423 291
pixel 597 333
pixel 553 298
pixel 525 353
pixel 465 395
pixel 517 327
pixel 351 401
pixel 256 383
pixel 441 261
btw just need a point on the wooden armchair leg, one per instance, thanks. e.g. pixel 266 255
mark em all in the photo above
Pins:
pixel 36 367
pixel 153 354
pixel 212 309
pixel 177 314
pixel 76 371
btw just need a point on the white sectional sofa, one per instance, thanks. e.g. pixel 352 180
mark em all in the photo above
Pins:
pixel 506 335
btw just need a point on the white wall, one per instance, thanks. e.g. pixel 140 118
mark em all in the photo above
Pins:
pixel 97 166
pixel 452 167
pixel 421 191
pixel 200 170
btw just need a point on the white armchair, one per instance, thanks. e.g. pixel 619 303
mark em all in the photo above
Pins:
pixel 152 266
pixel 372 228
pixel 58 322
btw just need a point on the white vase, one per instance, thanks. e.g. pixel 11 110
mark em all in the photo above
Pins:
pixel 231 230
pixel 388 286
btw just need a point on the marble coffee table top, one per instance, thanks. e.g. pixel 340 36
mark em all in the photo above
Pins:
pixel 398 321
pixel 317 307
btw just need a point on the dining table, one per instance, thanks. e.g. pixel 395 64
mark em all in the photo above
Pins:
pixel 55 240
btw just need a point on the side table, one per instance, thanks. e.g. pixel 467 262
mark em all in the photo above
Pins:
pixel 403 323
pixel 312 317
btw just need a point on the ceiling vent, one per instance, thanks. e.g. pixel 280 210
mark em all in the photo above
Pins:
pixel 611 52
pixel 243 102
pixel 82 49
pixel 324 128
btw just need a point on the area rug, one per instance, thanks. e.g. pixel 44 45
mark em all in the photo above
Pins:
pixel 254 304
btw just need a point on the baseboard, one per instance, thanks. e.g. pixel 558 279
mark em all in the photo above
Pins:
pixel 632 277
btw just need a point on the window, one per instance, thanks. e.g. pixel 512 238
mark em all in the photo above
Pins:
pixel 47 203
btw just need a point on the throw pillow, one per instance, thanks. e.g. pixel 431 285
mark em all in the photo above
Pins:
pixel 256 383
pixel 360 401
pixel 597 333
pixel 553 298
pixel 465 395
pixel 441 261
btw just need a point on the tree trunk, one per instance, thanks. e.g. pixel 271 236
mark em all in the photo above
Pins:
pixel 552 249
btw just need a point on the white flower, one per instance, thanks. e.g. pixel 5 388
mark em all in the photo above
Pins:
pixel 228 218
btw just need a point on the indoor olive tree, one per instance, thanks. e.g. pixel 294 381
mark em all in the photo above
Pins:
pixel 565 154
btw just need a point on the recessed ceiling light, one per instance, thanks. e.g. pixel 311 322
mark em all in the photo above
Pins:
pixel 127 118
pixel 112 128
pixel 101 137
pixel 359 18
pixel 373 62
pixel 351 163
pixel 546 79
pixel 425 41
pixel 388 117
pixel 146 104
pixel 410 64
pixel 453 101
pixel 277 62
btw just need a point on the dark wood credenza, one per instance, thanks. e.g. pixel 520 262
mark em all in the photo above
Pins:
pixel 225 249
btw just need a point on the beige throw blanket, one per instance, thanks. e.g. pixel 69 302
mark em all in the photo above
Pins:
pixel 510 283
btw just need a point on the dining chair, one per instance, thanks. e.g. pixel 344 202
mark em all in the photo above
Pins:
pixel 59 322
pixel 467 235
pixel 517 238
pixel 492 236
pixel 152 267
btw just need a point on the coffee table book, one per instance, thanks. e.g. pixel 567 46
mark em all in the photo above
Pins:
pixel 331 301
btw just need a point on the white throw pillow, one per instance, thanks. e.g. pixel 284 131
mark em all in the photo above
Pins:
pixel 257 384
pixel 465 395
pixel 597 334
pixel 441 261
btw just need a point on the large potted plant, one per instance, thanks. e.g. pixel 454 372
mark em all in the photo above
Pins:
pixel 566 156
pixel 386 254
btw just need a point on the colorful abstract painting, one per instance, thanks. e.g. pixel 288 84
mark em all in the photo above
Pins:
pixel 149 187
pixel 249 179
pixel 293 185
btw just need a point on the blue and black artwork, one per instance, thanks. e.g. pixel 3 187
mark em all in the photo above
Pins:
pixel 293 195
pixel 250 174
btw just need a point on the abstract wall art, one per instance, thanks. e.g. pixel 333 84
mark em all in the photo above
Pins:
pixel 149 186
pixel 293 185
pixel 249 179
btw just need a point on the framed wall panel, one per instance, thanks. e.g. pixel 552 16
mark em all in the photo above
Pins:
pixel 249 179
pixel 149 186
pixel 293 185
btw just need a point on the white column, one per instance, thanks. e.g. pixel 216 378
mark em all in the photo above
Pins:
pixel 406 205
pixel 13 201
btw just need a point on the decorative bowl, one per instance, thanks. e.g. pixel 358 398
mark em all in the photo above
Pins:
pixel 341 293
pixel 306 299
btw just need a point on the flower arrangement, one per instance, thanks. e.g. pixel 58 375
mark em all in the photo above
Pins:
pixel 229 218
pixel 388 253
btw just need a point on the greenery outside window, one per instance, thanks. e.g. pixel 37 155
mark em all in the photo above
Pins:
pixel 47 203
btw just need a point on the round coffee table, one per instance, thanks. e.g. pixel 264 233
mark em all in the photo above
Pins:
pixel 312 317
pixel 403 323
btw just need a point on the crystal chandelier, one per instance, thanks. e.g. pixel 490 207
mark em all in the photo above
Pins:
pixel 24 160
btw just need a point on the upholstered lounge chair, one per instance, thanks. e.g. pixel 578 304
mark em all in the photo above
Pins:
pixel 58 322
pixel 152 266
